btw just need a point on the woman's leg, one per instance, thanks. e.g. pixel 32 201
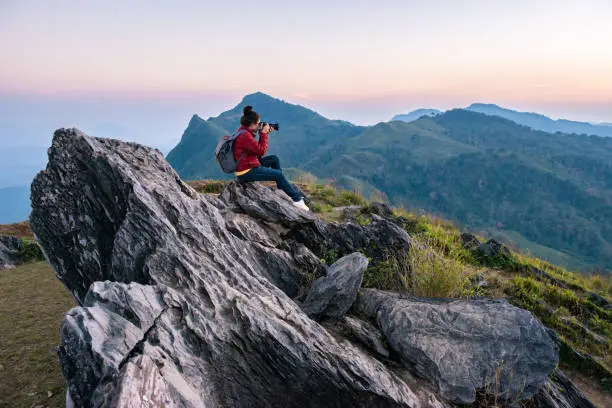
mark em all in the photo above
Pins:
pixel 268 174
pixel 270 161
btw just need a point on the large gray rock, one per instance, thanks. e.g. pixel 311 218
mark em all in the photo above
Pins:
pixel 333 295
pixel 198 310
pixel 462 346
pixel 378 240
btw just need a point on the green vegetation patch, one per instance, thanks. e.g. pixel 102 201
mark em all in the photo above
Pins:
pixel 30 252
pixel 32 305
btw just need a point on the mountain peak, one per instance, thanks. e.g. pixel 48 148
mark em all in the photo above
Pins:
pixel 416 114
pixel 195 118
pixel 258 97
pixel 484 105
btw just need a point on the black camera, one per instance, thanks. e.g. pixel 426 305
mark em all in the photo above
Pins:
pixel 272 125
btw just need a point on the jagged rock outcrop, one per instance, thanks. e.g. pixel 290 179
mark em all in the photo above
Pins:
pixel 333 295
pixel 10 249
pixel 225 331
pixel 190 300
pixel 462 346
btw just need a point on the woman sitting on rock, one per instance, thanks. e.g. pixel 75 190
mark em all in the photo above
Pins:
pixel 252 165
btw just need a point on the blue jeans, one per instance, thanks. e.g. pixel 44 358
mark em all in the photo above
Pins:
pixel 270 170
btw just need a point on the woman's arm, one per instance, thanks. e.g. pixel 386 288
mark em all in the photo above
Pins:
pixel 247 143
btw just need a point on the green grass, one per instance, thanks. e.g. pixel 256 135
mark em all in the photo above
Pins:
pixel 423 271
pixel 32 304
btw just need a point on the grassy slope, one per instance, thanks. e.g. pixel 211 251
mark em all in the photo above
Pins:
pixel 32 304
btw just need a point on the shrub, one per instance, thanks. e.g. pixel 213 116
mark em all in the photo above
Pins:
pixel 30 252
pixel 430 274
pixel 528 286
pixel 563 297
pixel 320 207
pixel 423 271
pixel 351 198
pixel 384 275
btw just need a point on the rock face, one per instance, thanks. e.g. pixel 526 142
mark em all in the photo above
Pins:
pixel 463 346
pixel 333 295
pixel 190 300
pixel 211 322
pixel 366 334
pixel 560 392
pixel 10 249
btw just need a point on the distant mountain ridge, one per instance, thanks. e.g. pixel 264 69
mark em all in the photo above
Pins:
pixel 416 114
pixel 550 192
pixel 541 122
pixel 535 121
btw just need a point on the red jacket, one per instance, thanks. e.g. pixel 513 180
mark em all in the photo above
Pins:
pixel 252 149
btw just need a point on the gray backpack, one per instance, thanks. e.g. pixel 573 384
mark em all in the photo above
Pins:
pixel 225 152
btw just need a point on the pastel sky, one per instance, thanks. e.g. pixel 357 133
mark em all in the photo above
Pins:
pixel 358 60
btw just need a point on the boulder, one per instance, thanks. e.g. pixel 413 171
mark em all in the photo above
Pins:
pixel 182 301
pixel 333 295
pixel 10 251
pixel 493 248
pixel 377 208
pixel 470 241
pixel 465 345
pixel 377 240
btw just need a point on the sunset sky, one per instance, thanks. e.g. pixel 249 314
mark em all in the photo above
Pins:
pixel 359 60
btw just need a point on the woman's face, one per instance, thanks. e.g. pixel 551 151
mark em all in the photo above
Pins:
pixel 254 127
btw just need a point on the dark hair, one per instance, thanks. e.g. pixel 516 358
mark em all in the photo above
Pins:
pixel 249 116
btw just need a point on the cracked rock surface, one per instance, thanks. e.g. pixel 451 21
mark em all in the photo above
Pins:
pixel 190 300
pixel 10 248
pixel 464 345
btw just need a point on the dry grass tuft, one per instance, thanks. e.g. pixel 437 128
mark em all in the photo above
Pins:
pixel 20 229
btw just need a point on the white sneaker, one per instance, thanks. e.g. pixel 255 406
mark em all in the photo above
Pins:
pixel 301 204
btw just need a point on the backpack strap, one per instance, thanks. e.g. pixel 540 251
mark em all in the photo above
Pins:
pixel 238 133
pixel 235 136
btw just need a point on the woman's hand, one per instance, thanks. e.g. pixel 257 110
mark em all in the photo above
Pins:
pixel 266 129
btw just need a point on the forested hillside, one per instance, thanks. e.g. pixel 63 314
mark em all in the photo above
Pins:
pixel 549 193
